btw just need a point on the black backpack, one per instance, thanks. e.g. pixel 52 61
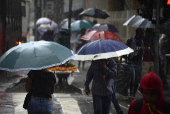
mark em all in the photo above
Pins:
pixel 139 103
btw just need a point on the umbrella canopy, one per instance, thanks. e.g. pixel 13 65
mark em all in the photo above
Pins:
pixel 80 24
pixel 35 56
pixel 105 27
pixel 102 49
pixel 138 21
pixel 104 35
pixel 54 24
pixel 43 20
pixel 45 27
pixel 64 23
pixel 93 12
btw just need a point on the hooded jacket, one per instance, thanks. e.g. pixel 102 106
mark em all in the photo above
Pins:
pixel 150 82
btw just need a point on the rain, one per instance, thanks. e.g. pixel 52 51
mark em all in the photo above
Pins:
pixel 64 37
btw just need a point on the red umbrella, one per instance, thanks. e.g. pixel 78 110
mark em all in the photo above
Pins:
pixel 104 35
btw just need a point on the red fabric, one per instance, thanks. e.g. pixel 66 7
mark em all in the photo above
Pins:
pixel 104 35
pixel 150 82
pixel 147 56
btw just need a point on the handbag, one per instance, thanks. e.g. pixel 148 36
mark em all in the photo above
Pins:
pixel 26 101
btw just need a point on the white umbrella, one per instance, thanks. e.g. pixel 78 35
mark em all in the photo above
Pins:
pixel 138 21
pixel 64 23
pixel 43 20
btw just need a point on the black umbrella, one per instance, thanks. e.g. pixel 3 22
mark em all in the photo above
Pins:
pixel 93 12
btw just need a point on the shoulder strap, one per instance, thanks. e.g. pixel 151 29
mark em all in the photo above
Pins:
pixel 166 108
pixel 138 105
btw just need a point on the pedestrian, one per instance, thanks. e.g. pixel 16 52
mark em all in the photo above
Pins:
pixel 164 62
pixel 135 60
pixel 102 72
pixel 41 84
pixel 148 64
pixel 114 99
pixel 48 36
pixel 80 43
pixel 153 101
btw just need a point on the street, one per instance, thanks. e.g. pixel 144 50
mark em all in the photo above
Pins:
pixel 69 100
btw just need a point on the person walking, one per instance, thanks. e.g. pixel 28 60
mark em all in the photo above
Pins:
pixel 148 64
pixel 102 72
pixel 41 84
pixel 114 99
pixel 135 60
pixel 80 43
pixel 153 101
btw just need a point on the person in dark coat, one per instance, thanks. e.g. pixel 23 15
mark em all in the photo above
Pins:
pixel 102 73
pixel 135 60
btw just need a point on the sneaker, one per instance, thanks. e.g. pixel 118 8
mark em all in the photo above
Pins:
pixel 120 112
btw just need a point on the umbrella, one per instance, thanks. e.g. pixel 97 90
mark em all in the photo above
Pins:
pixel 93 12
pixel 80 24
pixel 102 49
pixel 138 21
pixel 104 35
pixel 35 56
pixel 54 24
pixel 44 27
pixel 64 23
pixel 105 27
pixel 43 20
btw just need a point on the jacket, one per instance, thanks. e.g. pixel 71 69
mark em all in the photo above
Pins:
pixel 150 82
pixel 95 73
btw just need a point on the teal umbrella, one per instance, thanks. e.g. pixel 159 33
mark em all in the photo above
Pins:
pixel 80 24
pixel 35 56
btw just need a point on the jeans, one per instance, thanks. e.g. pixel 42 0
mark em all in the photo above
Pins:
pixel 115 101
pixel 136 71
pixel 40 106
pixel 102 104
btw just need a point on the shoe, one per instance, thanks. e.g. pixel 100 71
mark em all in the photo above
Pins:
pixel 120 112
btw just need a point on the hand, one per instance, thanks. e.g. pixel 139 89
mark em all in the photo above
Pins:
pixel 87 92
pixel 104 61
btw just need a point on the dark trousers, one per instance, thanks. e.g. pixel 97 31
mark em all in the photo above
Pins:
pixel 102 104
pixel 115 103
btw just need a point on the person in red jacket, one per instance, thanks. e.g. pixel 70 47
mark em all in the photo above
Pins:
pixel 153 99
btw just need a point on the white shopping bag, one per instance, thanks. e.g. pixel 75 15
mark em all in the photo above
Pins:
pixel 56 78
pixel 70 79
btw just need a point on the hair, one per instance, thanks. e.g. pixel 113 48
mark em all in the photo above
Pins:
pixel 139 30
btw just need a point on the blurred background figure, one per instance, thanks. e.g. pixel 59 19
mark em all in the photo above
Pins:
pixel 80 43
pixel 148 64
pixel 48 36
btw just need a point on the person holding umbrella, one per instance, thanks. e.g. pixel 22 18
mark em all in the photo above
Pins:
pixel 41 84
pixel 102 72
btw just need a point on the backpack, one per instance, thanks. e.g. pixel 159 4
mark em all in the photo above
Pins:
pixel 139 103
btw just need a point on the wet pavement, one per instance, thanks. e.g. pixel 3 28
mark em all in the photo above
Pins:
pixel 67 100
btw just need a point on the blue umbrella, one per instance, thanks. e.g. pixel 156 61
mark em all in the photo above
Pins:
pixel 102 49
